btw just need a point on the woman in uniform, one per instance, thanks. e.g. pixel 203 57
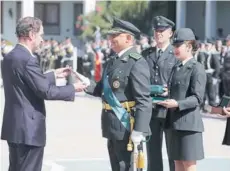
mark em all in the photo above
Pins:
pixel 186 92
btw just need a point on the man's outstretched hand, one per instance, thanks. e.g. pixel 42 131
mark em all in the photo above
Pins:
pixel 79 86
pixel 81 78
pixel 62 72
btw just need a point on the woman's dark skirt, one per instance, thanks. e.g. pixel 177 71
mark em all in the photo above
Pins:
pixel 186 146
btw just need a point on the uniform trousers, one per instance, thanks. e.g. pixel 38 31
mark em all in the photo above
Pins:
pixel 120 158
pixel 154 145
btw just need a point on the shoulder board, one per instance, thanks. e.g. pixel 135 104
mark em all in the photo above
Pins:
pixel 147 51
pixel 135 56
pixel 191 65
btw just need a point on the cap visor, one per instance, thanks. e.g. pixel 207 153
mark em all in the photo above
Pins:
pixel 111 32
pixel 177 43
pixel 162 28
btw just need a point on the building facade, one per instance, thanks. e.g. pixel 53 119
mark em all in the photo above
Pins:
pixel 204 17
pixel 59 17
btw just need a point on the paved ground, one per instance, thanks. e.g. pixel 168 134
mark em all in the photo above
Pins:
pixel 74 140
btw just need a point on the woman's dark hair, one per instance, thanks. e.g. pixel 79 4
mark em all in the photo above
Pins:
pixel 195 45
pixel 26 25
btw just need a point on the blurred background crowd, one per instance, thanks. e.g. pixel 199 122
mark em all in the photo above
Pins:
pixel 87 49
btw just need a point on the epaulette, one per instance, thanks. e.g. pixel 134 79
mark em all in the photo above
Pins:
pixel 135 56
pixel 190 66
pixel 147 51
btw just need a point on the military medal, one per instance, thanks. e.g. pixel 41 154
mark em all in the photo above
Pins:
pixel 116 84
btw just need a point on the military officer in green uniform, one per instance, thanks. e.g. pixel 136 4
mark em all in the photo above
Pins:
pixel 161 60
pixel 125 90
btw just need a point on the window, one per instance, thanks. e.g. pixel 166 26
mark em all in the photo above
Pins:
pixel 1 4
pixel 78 10
pixel 19 10
pixel 49 13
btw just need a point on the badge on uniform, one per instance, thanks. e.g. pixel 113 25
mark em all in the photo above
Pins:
pixel 116 84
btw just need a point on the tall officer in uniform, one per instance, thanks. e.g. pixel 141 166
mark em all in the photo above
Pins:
pixel 125 87
pixel 186 92
pixel 161 61
pixel 25 89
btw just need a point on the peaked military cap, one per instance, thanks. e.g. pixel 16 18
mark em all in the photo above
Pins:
pixel 162 23
pixel 228 37
pixel 121 26
pixel 183 34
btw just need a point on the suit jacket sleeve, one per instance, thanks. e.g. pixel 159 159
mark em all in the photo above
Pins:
pixel 140 80
pixel 42 87
pixel 95 89
pixel 196 90
pixel 51 77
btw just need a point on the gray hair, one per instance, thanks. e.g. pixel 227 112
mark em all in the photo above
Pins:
pixel 26 25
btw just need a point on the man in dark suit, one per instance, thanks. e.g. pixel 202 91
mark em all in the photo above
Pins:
pixel 26 88
pixel 161 60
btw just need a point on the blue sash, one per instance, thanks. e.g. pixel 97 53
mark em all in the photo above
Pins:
pixel 115 104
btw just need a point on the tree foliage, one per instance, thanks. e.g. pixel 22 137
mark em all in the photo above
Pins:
pixel 133 11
